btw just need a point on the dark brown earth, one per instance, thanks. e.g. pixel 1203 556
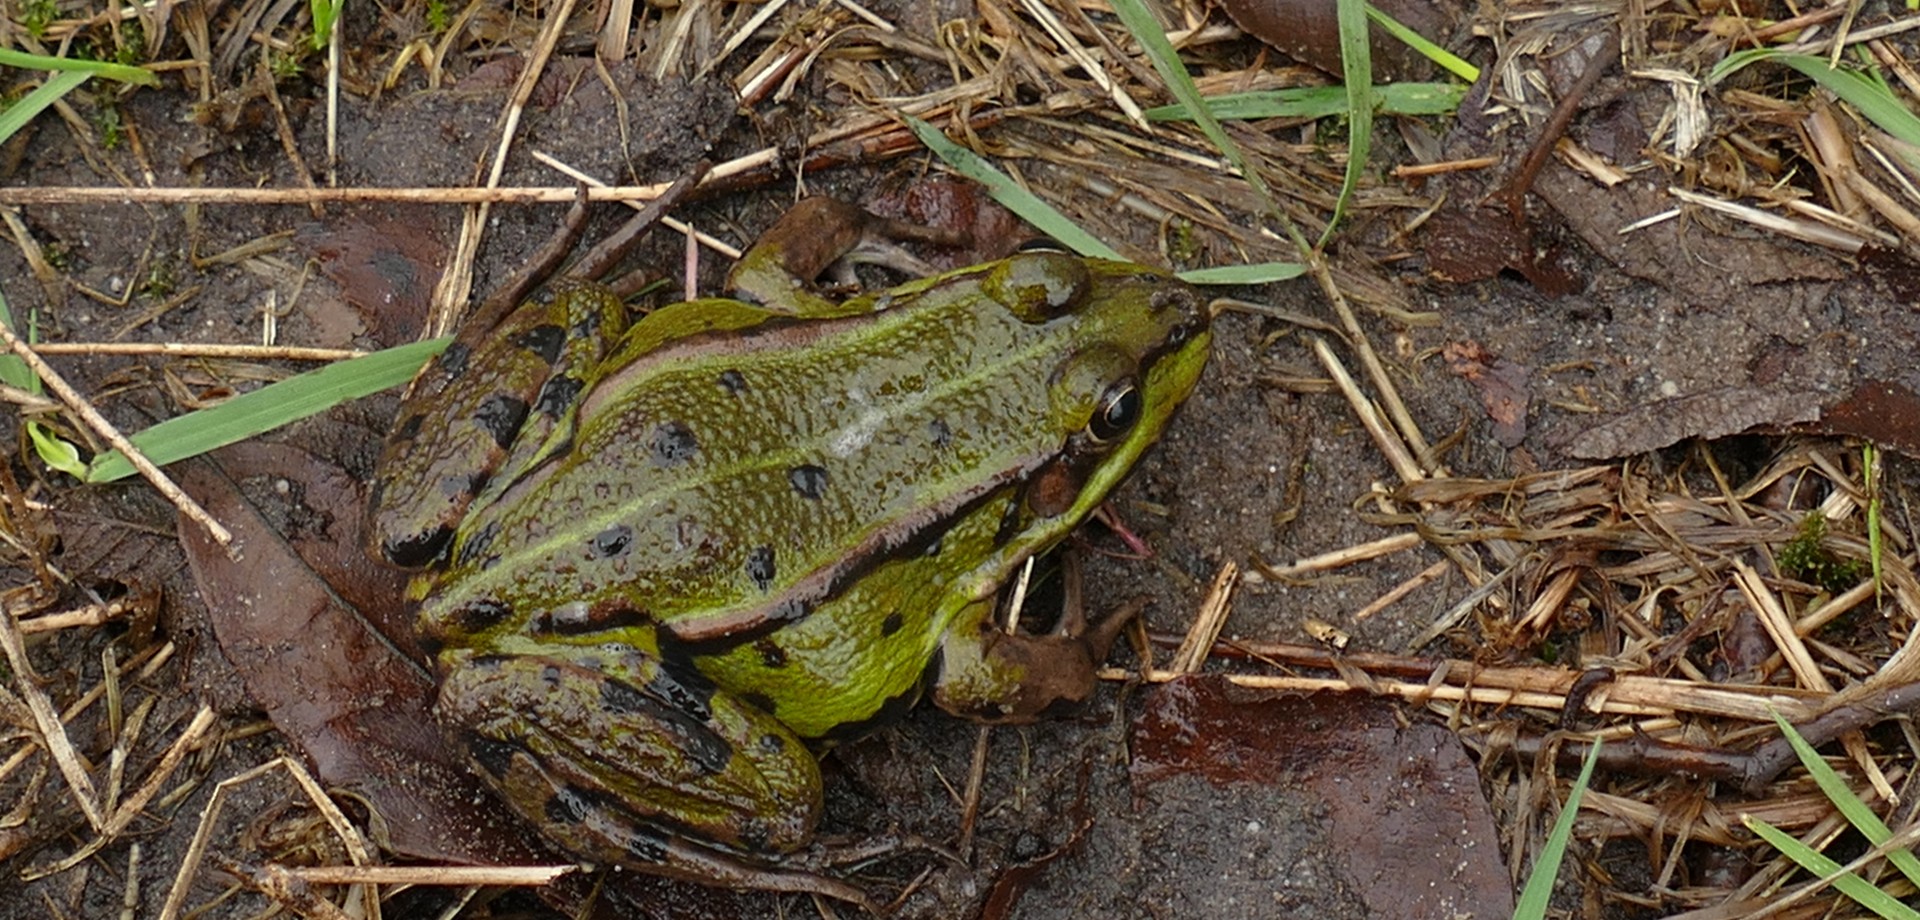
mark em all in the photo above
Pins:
pixel 1682 331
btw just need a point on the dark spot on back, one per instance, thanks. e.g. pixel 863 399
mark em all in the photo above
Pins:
pixel 477 544
pixel 941 434
pixel 760 567
pixel 543 340
pixel 808 480
pixel 759 700
pixel 550 675
pixel 611 542
pixel 569 805
pixel 410 426
pixel 415 550
pixel 587 327
pixel 557 394
pixel 481 615
pixel 771 743
pixel 501 416
pixel 892 623
pixel 691 695
pixel 674 444
pixel 453 361
pixel 771 654
pixel 733 382
pixel 645 845
pixel 1009 525
pixel 624 698
pixel 493 756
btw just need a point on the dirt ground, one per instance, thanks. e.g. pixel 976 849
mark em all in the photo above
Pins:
pixel 1336 807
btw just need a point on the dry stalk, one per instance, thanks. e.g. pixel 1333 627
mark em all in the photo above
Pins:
pixel 105 429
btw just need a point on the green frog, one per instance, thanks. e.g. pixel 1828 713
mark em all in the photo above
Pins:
pixel 662 564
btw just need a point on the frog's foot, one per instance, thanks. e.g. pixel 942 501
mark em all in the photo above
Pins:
pixel 820 232
pixel 621 763
pixel 991 675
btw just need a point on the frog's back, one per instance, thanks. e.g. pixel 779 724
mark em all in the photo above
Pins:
pixel 724 483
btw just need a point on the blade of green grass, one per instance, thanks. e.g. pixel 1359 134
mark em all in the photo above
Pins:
pixel 1860 90
pixel 1009 193
pixel 1056 225
pixel 1534 897
pixel 1256 273
pixel 1817 863
pixel 1323 101
pixel 126 73
pixel 1856 812
pixel 13 371
pixel 1870 458
pixel 269 407
pixel 1159 51
pixel 1356 70
pixel 1427 49
pixel 20 113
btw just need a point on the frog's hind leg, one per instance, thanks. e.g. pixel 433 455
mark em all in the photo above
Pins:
pixel 621 763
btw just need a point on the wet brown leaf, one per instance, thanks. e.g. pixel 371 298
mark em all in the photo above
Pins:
pixel 1309 32
pixel 1501 384
pixel 328 680
pixel 1393 796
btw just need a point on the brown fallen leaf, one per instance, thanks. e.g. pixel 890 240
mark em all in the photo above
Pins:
pixel 1501 384
pixel 1309 32
pixel 1348 750
pixel 331 683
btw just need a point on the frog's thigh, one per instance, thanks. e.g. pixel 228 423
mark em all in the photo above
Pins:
pixel 991 675
pixel 602 748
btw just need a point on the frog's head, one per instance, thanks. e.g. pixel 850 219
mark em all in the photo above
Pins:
pixel 1141 338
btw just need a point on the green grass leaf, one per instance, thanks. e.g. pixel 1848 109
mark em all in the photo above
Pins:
pixel 1426 49
pixel 1256 273
pixel 1855 811
pixel 19 114
pixel 1863 91
pixel 55 452
pixel 1322 101
pixel 325 12
pixel 269 407
pixel 1009 193
pixel 1166 61
pixel 1539 888
pixel 13 371
pixel 1356 70
pixel 125 73
pixel 1813 861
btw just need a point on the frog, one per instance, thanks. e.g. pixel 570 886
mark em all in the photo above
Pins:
pixel 662 564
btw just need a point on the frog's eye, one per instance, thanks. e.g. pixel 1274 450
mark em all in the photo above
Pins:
pixel 1118 411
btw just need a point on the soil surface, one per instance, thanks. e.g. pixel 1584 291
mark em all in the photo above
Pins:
pixel 1686 330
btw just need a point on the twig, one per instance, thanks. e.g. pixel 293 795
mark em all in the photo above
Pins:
pixel 100 426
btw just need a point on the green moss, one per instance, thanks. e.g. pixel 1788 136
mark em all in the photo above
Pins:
pixel 36 15
pixel 1807 558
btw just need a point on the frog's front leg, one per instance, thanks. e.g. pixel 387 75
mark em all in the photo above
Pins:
pixel 622 763
pixel 991 675
pixel 779 270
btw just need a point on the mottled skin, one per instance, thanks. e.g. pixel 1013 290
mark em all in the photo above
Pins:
pixel 736 530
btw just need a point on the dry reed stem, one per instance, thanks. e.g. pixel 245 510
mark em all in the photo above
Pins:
pixel 1210 618
pixel 356 847
pixel 105 429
